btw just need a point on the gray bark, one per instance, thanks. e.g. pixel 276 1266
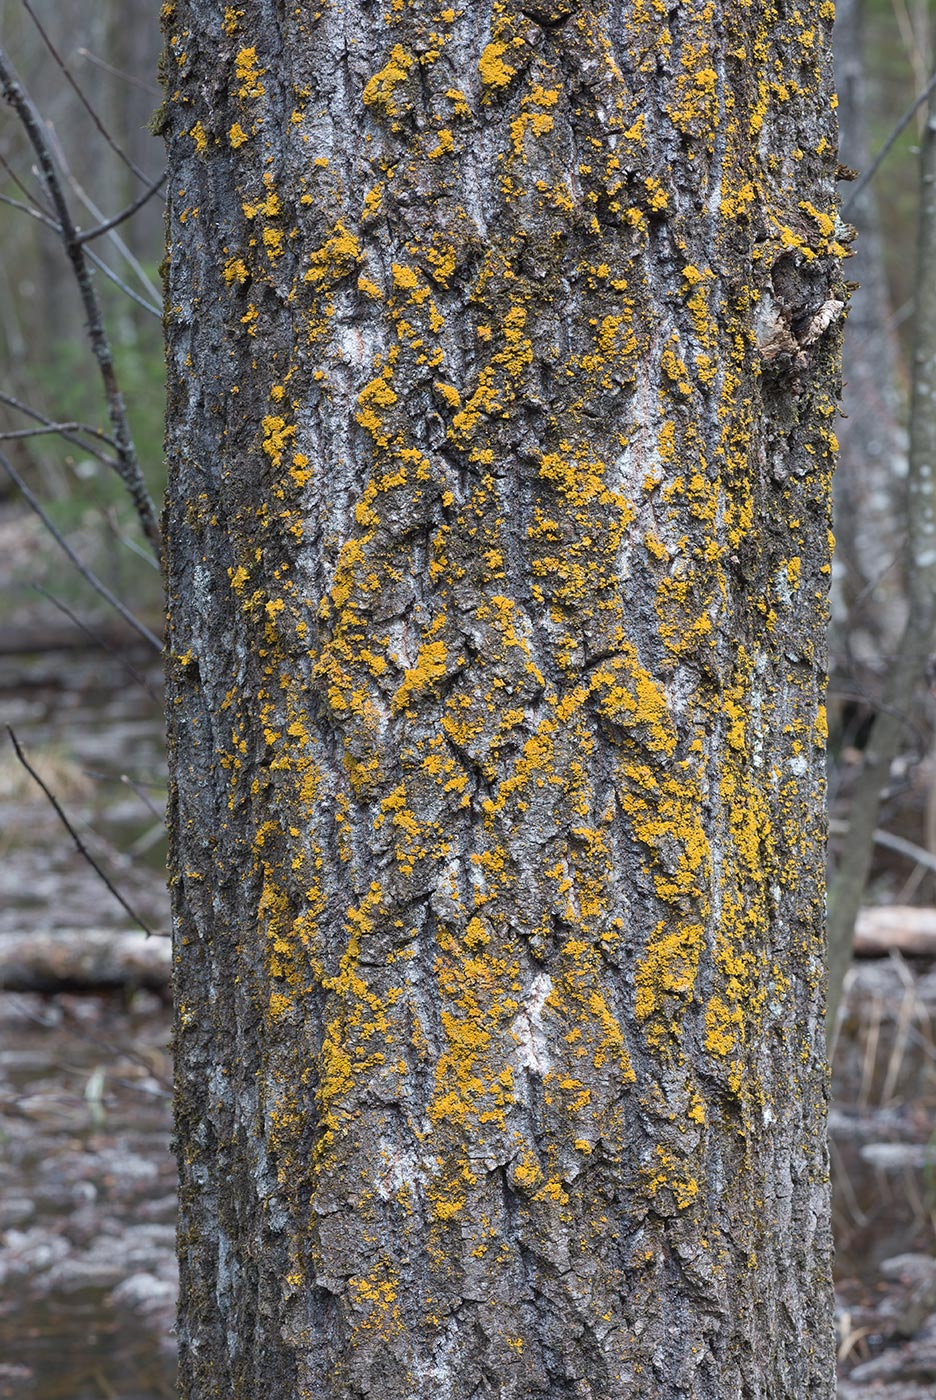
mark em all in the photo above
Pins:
pixel 502 352
pixel 869 588
pixel 914 658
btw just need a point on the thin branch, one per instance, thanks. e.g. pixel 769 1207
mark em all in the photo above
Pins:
pixel 132 78
pixel 49 426
pixel 33 413
pixel 147 840
pixel 144 797
pixel 80 845
pixel 885 150
pixel 111 275
pixel 100 777
pixel 33 213
pixel 91 578
pixel 61 160
pixel 76 88
pixel 98 640
pixel 39 432
pixel 913 47
pixel 128 542
pixel 891 842
pixel 114 1051
pixel 87 234
pixel 129 468
pixel 24 189
pixel 898 713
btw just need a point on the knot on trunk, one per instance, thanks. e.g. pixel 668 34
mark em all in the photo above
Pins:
pixel 549 15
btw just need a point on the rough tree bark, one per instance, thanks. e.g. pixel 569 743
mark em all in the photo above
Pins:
pixel 502 354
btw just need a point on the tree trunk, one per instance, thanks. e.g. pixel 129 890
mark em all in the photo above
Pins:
pixel 502 374
pixel 914 656
pixel 869 587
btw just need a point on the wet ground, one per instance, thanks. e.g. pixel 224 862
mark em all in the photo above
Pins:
pixel 87 1270
pixel 882 1137
pixel 87 1182
pixel 87 1199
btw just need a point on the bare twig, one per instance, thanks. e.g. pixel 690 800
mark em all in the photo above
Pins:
pixel 33 213
pixel 111 276
pixel 898 713
pixel 885 150
pixel 56 428
pixel 97 639
pixel 128 542
pixel 87 234
pixel 61 160
pixel 38 417
pixel 914 42
pixel 144 797
pixel 24 189
pixel 80 845
pixel 76 88
pixel 48 426
pixel 131 78
pixel 114 1051
pixel 100 777
pixel 148 839
pixel 129 467
pixel 92 578
pixel 892 843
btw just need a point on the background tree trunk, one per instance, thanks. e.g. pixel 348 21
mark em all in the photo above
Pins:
pixel 869 592
pixel 502 373
pixel 914 653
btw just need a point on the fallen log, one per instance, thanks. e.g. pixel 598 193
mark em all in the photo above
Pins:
pixel 898 928
pixel 42 637
pixel 83 960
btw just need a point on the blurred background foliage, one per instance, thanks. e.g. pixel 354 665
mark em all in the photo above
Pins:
pixel 897 53
pixel 111 49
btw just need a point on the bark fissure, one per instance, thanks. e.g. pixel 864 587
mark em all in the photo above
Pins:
pixel 503 350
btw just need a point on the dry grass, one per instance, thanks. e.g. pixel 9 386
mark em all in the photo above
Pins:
pixel 62 774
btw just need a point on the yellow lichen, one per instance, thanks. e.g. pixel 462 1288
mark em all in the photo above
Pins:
pixel 235 270
pixel 339 255
pixel 429 668
pixel 381 88
pixel 249 73
pixel 494 71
